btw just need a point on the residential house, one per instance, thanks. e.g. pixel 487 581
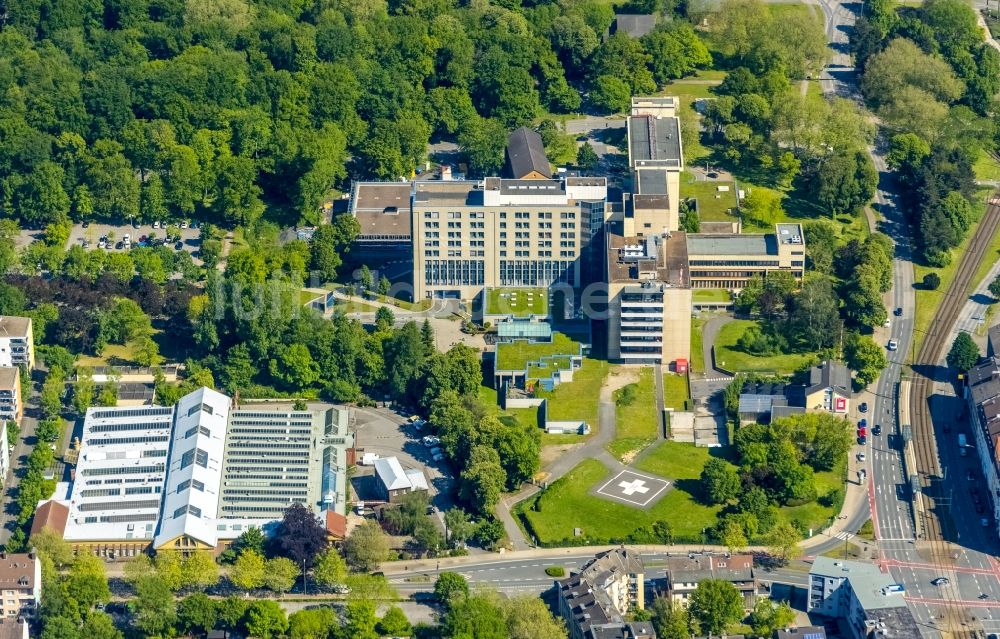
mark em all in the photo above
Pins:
pixel 392 482
pixel 17 343
pixel 596 601
pixel 829 388
pixel 525 156
pixel 16 628
pixel 684 574
pixel 20 584
pixel 11 407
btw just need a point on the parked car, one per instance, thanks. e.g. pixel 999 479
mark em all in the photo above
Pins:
pixel 184 224
pixel 438 457
pixel 863 407
pixel 862 440
pixel 178 246
pixel 431 441
pixel 893 345
pixel 120 245
pixel 156 224
pixel 861 456
pixel 863 423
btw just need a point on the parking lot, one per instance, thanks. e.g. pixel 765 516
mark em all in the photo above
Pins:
pixel 387 433
pixel 190 237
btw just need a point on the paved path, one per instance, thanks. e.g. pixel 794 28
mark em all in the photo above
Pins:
pixel 709 333
pixel 18 457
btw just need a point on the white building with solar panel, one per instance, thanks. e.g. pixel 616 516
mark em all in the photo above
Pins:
pixel 196 475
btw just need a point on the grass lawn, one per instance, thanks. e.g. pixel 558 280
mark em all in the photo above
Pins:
pixel 566 504
pixel 307 296
pixel 713 204
pixel 927 301
pixel 676 393
pixel 697 364
pixel 815 515
pixel 519 302
pixel 422 305
pixel 111 354
pixel 732 359
pixel 355 306
pixel 578 399
pixel 986 167
pixel 785 9
pixel 636 423
pixel 711 295
pixel 514 356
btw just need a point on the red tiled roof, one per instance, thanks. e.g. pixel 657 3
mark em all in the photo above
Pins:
pixel 336 524
pixel 52 515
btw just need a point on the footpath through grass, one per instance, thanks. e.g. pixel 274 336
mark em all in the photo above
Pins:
pixel 730 357
pixel 635 422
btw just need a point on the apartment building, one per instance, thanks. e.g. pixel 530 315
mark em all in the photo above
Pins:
pixel 730 261
pixel 17 345
pixel 649 299
pixel 982 393
pixel 656 160
pixel 196 475
pixel 11 408
pixel 468 235
pixel 20 584
pixel 684 574
pixel 868 601
pixel 596 600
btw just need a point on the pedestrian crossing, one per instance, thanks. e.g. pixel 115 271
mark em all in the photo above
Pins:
pixel 844 535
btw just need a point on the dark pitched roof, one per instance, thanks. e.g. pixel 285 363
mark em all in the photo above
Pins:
pixel 526 154
pixel 634 24
pixel 829 375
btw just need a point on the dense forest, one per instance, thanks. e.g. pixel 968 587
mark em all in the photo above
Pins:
pixel 227 109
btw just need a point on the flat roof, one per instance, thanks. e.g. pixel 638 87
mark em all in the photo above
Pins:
pixel 10 376
pixel 458 192
pixel 13 326
pixel 654 139
pixel 867 581
pixel 382 209
pixel 136 391
pixel 651 181
pixel 666 257
pixel 790 233
pixel 699 244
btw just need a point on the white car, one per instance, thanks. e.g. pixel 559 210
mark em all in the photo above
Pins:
pixel 887 323
pixel 431 441
pixel 893 345
pixel 156 224
pixel 184 224
pixel 861 456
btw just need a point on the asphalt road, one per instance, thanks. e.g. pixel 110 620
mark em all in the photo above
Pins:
pixel 18 457
pixel 971 573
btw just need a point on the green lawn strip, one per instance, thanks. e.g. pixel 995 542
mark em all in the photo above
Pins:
pixel 517 301
pixel 927 301
pixel 566 504
pixel 514 356
pixel 307 296
pixel 112 353
pixel 711 295
pixel 678 460
pixel 355 306
pixel 697 347
pixel 713 204
pixel 578 399
pixel 675 391
pixel 732 359
pixel 636 423
pixel 986 167
pixel 786 9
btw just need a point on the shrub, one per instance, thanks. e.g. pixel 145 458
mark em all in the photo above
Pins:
pixel 932 281
pixel 555 571
pixel 625 395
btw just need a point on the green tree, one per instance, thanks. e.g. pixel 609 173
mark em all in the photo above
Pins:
pixel 197 613
pixel 865 357
pixel 483 479
pixel 280 574
pixel 782 542
pixel 450 587
pixel 733 536
pixel 720 481
pixel 669 621
pixel 394 623
pixel 762 207
pixel 964 353
pixel 86 582
pixel 529 618
pixel 458 525
pixel 295 367
pixel 361 619
pixel 199 570
pixel 482 142
pixel 330 568
pixel 586 157
pixel 767 616
pixel 716 605
pixel 478 616
pixel 249 570
pixel 153 609
pixel 610 94
pixel 266 619
pixel 314 623
pixel 366 547
pixel 995 287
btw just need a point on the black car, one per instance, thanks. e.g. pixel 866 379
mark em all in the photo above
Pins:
pixel 862 440
pixel 877 429
pixel 863 407
pixel 86 224
pixel 178 246
pixel 898 312
pixel 120 245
